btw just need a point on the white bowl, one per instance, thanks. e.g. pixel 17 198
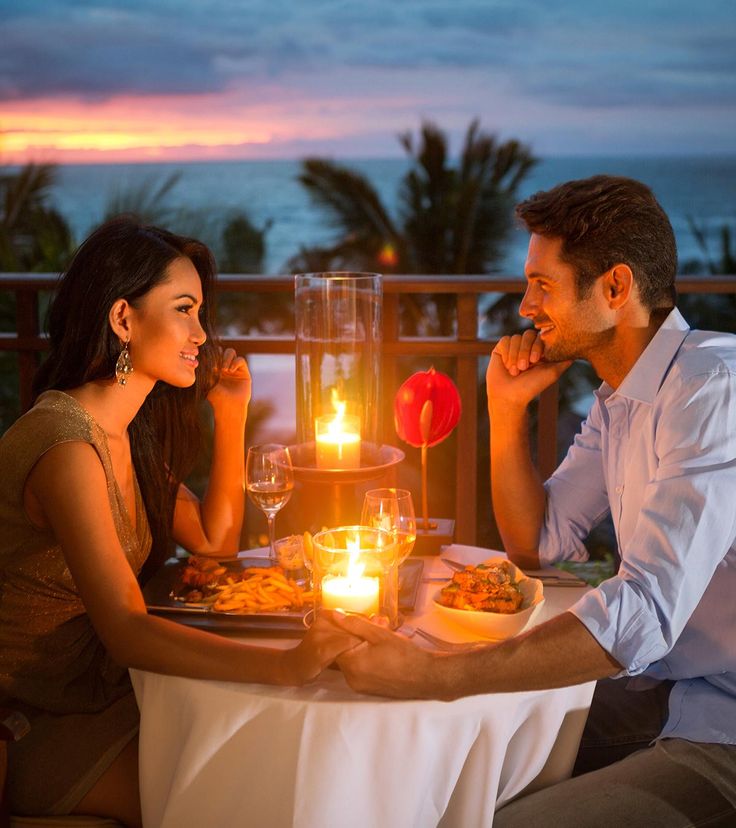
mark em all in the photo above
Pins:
pixel 499 625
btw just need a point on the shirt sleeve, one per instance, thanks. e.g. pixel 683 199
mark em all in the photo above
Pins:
pixel 577 497
pixel 685 528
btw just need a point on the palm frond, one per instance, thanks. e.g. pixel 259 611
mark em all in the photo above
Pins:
pixel 453 218
pixel 349 199
pixel 33 235
pixel 146 200
pixel 25 191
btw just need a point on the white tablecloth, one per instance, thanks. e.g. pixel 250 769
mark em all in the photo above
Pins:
pixel 223 754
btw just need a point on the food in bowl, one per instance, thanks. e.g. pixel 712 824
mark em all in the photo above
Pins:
pixel 495 624
pixel 488 587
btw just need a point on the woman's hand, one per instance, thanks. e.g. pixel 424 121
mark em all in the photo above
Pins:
pixel 233 388
pixel 322 644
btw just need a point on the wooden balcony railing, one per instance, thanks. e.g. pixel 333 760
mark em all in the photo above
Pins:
pixel 465 348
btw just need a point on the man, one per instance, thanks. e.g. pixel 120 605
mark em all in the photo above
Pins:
pixel 657 451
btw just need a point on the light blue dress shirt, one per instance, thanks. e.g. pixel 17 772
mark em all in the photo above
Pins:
pixel 659 453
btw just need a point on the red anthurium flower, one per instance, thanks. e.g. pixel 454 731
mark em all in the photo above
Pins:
pixel 426 408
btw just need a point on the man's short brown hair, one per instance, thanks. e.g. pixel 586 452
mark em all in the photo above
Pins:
pixel 607 220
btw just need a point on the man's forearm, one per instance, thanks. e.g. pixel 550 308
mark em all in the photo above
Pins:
pixel 518 495
pixel 557 654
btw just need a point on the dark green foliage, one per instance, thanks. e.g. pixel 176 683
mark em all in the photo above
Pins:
pixel 33 236
pixel 147 200
pixel 452 219
pixel 456 219
pixel 243 246
pixel 726 261
pixel 711 312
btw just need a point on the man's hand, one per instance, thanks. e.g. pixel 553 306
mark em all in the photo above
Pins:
pixel 517 372
pixel 387 664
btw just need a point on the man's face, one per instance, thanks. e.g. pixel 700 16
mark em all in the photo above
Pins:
pixel 571 327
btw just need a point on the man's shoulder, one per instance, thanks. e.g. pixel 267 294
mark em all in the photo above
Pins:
pixel 706 352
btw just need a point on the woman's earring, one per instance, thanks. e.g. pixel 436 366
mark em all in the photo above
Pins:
pixel 124 365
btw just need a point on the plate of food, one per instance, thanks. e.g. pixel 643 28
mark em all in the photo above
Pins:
pixel 236 594
pixel 493 599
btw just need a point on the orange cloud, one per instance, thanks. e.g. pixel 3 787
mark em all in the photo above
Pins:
pixel 122 128
pixel 275 120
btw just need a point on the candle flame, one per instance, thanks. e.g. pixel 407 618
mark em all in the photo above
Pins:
pixel 335 426
pixel 355 566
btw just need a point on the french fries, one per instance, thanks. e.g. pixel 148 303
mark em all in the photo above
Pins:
pixel 263 589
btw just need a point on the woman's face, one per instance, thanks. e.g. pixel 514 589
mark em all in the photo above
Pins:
pixel 165 331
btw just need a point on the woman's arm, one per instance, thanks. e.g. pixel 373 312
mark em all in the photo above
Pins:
pixel 212 526
pixel 69 484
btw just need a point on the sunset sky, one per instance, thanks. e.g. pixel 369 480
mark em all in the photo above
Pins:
pixel 155 80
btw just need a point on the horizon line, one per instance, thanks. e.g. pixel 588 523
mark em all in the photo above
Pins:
pixel 346 158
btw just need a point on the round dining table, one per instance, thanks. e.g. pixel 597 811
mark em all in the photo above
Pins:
pixel 223 754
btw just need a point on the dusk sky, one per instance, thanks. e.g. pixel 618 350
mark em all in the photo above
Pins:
pixel 155 80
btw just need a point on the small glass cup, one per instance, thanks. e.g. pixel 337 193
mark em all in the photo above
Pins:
pixel 290 557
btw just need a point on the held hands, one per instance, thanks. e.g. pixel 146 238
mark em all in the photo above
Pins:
pixel 517 371
pixel 233 386
pixel 387 664
pixel 324 642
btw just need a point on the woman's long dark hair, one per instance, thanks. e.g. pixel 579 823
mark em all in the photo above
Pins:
pixel 124 259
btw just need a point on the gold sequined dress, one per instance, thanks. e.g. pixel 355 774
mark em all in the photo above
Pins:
pixel 53 666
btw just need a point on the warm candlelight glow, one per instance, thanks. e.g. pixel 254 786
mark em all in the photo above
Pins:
pixel 337 438
pixel 352 592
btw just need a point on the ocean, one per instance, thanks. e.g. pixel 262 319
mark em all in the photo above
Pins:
pixel 701 187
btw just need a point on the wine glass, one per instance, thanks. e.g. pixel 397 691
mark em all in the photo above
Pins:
pixel 392 510
pixel 269 478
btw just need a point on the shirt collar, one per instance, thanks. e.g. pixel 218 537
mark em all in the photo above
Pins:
pixel 648 372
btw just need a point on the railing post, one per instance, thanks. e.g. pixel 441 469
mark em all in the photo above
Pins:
pixel 26 306
pixel 390 325
pixel 466 466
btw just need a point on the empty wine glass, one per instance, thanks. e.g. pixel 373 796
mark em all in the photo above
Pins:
pixel 269 478
pixel 392 510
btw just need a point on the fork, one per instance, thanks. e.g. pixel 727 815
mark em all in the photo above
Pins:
pixel 450 646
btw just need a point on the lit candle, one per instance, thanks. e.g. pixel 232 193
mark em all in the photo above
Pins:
pixel 353 592
pixel 337 440
pixel 350 594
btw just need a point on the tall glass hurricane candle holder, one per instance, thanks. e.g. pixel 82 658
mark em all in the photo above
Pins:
pixel 353 569
pixel 338 365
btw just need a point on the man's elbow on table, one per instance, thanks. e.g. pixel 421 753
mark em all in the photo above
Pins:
pixel 523 558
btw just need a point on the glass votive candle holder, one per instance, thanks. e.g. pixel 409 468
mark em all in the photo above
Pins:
pixel 354 569
pixel 290 557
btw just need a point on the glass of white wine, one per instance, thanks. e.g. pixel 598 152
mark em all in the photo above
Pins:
pixel 269 478
pixel 392 510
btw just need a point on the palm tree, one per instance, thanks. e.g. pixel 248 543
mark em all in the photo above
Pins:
pixel 710 311
pixel 727 261
pixel 451 219
pixel 33 235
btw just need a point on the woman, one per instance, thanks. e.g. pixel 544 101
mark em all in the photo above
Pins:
pixel 91 483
